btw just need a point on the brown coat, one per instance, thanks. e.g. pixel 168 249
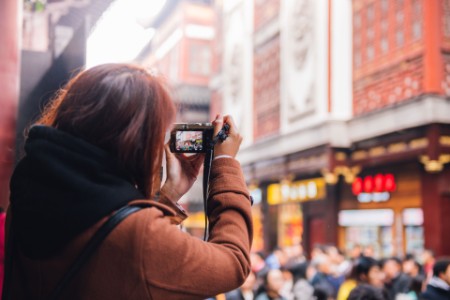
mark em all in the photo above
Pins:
pixel 148 257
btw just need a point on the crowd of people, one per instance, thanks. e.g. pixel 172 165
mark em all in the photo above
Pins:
pixel 286 274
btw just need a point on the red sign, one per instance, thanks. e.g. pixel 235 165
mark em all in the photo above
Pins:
pixel 379 183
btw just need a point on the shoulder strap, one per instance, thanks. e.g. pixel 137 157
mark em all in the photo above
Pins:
pixel 91 246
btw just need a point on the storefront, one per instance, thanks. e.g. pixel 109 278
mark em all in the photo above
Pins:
pixel 381 210
pixel 285 200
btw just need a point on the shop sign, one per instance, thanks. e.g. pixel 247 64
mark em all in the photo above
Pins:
pixel 297 191
pixel 413 217
pixel 374 188
pixel 366 217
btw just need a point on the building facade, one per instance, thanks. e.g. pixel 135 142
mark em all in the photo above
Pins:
pixel 182 50
pixel 345 114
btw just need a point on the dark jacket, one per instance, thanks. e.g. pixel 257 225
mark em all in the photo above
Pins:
pixel 435 293
pixel 398 285
pixel 63 190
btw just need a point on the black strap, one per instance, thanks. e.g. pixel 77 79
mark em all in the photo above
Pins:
pixel 92 245
pixel 206 173
pixel 221 136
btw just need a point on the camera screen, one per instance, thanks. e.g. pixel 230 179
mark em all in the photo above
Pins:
pixel 189 141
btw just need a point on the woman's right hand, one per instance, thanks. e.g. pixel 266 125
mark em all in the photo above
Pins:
pixel 230 146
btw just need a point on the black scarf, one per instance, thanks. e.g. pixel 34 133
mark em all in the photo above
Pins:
pixel 60 188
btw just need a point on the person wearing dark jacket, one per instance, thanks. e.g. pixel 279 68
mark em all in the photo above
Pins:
pixel 438 287
pixel 396 282
pixel 97 148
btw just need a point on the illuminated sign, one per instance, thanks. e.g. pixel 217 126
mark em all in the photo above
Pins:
pixel 366 217
pixel 297 191
pixel 374 188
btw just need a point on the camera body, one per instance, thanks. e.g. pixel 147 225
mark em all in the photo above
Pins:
pixel 191 138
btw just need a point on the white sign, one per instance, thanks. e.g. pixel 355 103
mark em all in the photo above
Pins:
pixel 374 197
pixel 366 217
pixel 413 217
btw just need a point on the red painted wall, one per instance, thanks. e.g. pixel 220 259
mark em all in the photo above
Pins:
pixel 10 14
pixel 436 209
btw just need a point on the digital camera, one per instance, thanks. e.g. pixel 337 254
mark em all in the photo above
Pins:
pixel 191 138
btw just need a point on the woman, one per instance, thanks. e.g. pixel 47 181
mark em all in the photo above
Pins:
pixel 366 270
pixel 98 147
pixel 302 289
pixel 273 283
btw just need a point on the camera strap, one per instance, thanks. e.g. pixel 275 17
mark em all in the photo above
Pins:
pixel 221 136
pixel 206 173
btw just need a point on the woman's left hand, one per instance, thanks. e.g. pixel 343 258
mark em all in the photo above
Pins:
pixel 182 171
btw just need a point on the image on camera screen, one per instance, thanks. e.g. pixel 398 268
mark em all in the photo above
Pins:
pixel 189 141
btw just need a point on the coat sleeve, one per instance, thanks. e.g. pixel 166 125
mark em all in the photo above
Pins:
pixel 177 265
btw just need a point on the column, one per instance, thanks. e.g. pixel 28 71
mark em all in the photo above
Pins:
pixel 10 24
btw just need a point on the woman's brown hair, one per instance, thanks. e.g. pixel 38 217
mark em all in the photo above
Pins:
pixel 122 109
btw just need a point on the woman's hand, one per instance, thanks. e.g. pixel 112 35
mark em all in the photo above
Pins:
pixel 230 146
pixel 182 171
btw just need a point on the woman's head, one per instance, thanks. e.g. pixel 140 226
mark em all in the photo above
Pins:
pixel 367 270
pixel 120 108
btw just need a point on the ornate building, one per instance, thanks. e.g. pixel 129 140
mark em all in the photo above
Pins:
pixel 347 125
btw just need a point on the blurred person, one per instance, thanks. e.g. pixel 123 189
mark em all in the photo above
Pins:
pixel 273 283
pixel 438 287
pixel 355 252
pixel 415 289
pixel 369 251
pixel 321 278
pixel 288 283
pixel 366 292
pixel 321 294
pixel 295 254
pixel 366 270
pixel 411 267
pixel 340 266
pixel 258 263
pixel 245 291
pixel 427 258
pixel 97 148
pixel 317 250
pixel 259 267
pixel 302 289
pixel 396 282
pixel 276 259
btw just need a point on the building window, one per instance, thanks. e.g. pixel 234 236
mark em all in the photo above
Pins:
pixel 384 6
pixel 370 52
pixel 399 37
pixel 417 30
pixel 447 18
pixel 357 20
pixel 357 59
pixel 200 60
pixel 370 13
pixel 384 45
pixel 370 34
pixel 416 19
pixel 400 17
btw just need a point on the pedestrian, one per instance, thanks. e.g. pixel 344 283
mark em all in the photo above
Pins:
pixel 245 291
pixel 366 292
pixel 438 287
pixel 366 271
pixel 273 283
pixel 302 289
pixel 99 147
pixel 396 282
